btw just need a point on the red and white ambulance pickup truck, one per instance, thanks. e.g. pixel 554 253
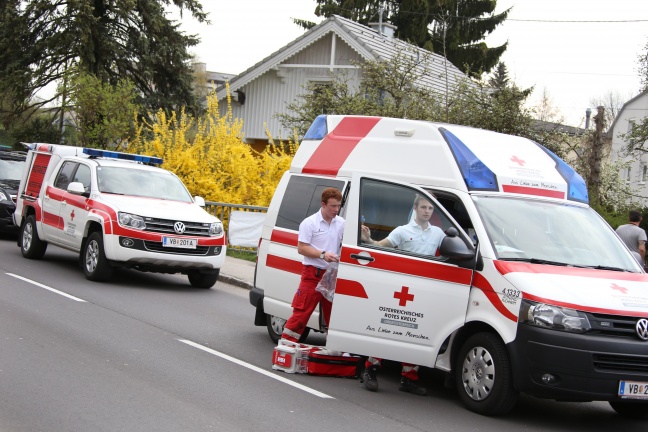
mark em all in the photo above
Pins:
pixel 116 210
pixel 531 290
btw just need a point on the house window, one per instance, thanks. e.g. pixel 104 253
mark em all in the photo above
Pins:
pixel 644 173
pixel 631 125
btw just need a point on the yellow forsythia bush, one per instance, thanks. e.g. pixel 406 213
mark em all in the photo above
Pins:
pixel 210 157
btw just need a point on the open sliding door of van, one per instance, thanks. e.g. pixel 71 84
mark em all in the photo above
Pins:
pixel 395 303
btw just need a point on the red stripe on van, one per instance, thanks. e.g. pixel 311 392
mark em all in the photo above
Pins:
pixel 336 147
pixel 350 288
pixel 283 237
pixel 584 308
pixel 505 267
pixel 482 283
pixel 284 264
pixel 410 266
pixel 533 191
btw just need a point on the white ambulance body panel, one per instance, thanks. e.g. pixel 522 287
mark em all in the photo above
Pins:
pixel 533 278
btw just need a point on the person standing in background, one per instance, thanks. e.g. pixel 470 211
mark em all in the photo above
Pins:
pixel 633 236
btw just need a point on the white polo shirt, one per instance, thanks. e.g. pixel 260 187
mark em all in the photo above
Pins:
pixel 324 237
pixel 413 238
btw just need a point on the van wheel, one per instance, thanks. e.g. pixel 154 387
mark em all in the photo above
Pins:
pixel 636 410
pixel 275 327
pixel 95 265
pixel 202 280
pixel 31 246
pixel 483 375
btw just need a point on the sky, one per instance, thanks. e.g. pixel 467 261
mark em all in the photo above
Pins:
pixel 574 51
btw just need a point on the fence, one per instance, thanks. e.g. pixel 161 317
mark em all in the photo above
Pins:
pixel 242 223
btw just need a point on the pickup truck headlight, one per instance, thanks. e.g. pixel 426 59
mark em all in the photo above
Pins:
pixel 215 229
pixel 131 221
pixel 4 196
pixel 553 317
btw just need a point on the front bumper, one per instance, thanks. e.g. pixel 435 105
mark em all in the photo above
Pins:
pixel 585 367
pixel 7 209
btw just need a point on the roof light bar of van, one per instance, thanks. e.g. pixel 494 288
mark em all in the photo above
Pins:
pixel 576 187
pixel 123 156
pixel 318 130
pixel 474 172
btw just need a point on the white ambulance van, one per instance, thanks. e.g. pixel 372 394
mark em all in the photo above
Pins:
pixel 530 292
pixel 116 210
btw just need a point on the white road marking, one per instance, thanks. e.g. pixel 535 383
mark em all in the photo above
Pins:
pixel 38 284
pixel 257 369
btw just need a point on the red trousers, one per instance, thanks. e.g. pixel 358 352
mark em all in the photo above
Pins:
pixel 409 371
pixel 304 303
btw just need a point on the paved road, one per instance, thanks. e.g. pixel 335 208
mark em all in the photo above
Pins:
pixel 149 353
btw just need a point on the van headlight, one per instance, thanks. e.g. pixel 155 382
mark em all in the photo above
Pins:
pixel 131 221
pixel 553 317
pixel 215 228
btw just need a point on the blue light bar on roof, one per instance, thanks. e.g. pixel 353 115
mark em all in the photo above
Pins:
pixel 474 172
pixel 123 156
pixel 576 187
pixel 318 129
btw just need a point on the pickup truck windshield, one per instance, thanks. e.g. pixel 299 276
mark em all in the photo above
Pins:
pixel 142 183
pixel 551 233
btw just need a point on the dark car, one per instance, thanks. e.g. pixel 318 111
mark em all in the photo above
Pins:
pixel 11 169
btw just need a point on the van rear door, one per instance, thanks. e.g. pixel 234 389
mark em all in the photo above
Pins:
pixel 392 303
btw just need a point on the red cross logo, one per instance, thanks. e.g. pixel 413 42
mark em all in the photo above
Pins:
pixel 518 161
pixel 623 290
pixel 72 215
pixel 403 296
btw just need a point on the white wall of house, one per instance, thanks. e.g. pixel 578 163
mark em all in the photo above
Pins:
pixel 636 173
pixel 270 93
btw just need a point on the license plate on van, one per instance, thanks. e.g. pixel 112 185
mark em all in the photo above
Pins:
pixel 633 390
pixel 182 243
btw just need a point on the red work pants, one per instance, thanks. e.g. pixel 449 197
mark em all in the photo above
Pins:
pixel 304 303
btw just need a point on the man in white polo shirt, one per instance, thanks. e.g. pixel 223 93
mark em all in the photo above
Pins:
pixel 319 241
pixel 418 236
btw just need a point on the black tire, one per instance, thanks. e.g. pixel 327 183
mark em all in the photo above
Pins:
pixel 95 265
pixel 483 375
pixel 202 280
pixel 31 246
pixel 275 326
pixel 631 409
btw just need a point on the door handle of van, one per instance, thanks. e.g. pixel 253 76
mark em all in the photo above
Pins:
pixel 362 257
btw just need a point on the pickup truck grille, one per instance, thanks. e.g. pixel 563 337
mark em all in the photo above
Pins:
pixel 165 226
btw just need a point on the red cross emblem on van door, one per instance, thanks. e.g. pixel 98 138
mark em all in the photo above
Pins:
pixel 72 215
pixel 403 296
pixel 518 161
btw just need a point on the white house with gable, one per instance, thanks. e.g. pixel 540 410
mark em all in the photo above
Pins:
pixel 336 44
pixel 636 171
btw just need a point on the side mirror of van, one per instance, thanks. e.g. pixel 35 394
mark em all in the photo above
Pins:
pixel 199 200
pixel 453 246
pixel 76 188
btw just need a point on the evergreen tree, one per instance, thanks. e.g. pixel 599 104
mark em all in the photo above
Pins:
pixel 110 39
pixel 452 28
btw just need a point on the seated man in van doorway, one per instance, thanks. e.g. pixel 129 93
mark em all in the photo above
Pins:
pixel 319 240
pixel 421 237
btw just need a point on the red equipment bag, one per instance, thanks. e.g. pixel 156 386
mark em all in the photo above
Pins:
pixel 322 362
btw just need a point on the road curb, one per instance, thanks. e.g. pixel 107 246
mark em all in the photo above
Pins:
pixel 231 280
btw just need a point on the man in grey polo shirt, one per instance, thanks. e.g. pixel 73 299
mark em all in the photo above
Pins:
pixel 633 236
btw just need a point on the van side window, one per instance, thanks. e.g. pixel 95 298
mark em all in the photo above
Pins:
pixel 82 175
pixel 453 205
pixel 64 175
pixel 302 198
pixel 392 212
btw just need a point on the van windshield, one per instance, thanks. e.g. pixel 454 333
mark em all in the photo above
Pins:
pixel 551 233
pixel 135 182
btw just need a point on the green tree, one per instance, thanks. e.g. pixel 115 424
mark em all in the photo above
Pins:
pixel 452 28
pixel 41 39
pixel 102 113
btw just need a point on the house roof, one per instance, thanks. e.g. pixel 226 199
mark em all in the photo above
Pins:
pixel 618 116
pixel 367 42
